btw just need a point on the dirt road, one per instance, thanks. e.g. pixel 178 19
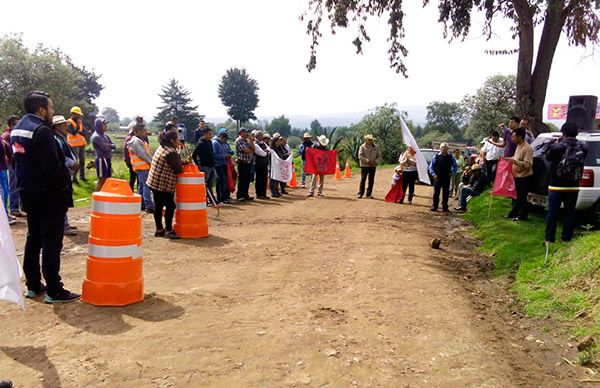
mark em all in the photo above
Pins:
pixel 322 292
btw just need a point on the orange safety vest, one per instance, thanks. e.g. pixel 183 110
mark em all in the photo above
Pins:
pixel 77 140
pixel 138 163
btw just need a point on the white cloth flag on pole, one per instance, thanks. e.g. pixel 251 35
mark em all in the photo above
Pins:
pixel 10 271
pixel 409 140
pixel 281 170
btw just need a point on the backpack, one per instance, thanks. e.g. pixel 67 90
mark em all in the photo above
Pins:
pixel 570 167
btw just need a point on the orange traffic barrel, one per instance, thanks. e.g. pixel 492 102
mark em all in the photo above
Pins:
pixel 114 265
pixel 191 215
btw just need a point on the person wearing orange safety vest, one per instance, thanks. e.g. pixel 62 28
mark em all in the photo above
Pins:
pixel 141 158
pixel 76 139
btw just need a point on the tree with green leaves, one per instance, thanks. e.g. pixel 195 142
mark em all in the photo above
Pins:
pixel 384 123
pixel 280 125
pixel 579 20
pixel 315 127
pixel 446 117
pixel 491 105
pixel 177 102
pixel 23 70
pixel 239 93
pixel 111 115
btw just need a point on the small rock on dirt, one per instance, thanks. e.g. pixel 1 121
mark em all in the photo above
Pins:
pixel 330 352
pixel 586 343
pixel 435 243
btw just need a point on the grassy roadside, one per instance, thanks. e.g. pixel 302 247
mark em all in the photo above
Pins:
pixel 567 289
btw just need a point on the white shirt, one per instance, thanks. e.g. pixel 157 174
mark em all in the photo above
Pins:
pixel 492 152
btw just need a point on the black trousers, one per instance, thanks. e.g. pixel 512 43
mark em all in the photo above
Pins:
pixel 163 199
pixel 364 173
pixel 260 184
pixel 244 172
pixel 520 206
pixel 408 181
pixel 132 178
pixel 442 185
pixel 490 169
pixel 45 227
pixel 222 190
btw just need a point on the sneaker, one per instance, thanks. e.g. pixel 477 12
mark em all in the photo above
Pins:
pixel 249 198
pixel 359 196
pixel 310 195
pixel 172 235
pixel 284 192
pixel 369 196
pixel 446 210
pixel 227 202
pixel 6 384
pixel 275 195
pixel 241 199
pixel 35 293
pixel 262 197
pixel 320 195
pixel 434 209
pixel 303 186
pixel 460 209
pixel 64 296
pixel 159 233
pixel 17 214
pixel 209 204
pixel 73 227
pixel 69 232
pixel 409 202
pixel 12 221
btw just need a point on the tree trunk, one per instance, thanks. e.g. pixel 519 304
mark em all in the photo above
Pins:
pixel 553 23
pixel 525 61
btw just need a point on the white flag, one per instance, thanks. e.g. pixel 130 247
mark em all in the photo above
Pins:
pixel 10 271
pixel 409 140
pixel 281 170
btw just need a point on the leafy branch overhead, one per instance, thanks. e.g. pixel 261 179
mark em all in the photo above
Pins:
pixel 579 18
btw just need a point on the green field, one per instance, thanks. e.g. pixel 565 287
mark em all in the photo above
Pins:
pixel 566 289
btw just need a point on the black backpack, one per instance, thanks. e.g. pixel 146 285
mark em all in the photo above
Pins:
pixel 570 167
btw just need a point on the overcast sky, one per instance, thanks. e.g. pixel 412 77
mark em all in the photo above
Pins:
pixel 138 46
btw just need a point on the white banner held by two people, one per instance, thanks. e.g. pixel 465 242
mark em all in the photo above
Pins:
pixel 10 271
pixel 281 170
pixel 409 140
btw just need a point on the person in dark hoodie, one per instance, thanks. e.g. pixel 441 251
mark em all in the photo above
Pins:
pixel 567 157
pixel 44 189
pixel 103 147
pixel 442 166
pixel 204 159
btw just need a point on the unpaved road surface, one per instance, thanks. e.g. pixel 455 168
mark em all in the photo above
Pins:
pixel 319 292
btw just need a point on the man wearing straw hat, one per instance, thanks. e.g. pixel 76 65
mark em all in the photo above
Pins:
pixel 477 184
pixel 323 141
pixel 306 143
pixel 368 154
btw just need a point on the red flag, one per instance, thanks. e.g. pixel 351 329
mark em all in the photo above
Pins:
pixel 396 193
pixel 504 184
pixel 320 162
pixel 231 176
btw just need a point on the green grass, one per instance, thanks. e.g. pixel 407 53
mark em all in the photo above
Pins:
pixel 567 289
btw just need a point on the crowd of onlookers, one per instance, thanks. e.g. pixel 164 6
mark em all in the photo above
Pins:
pixel 42 155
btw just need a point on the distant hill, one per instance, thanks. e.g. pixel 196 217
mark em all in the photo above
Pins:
pixel 416 113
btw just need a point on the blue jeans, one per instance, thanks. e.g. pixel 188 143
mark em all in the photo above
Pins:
pixel 146 193
pixel 569 199
pixel 464 193
pixel 209 180
pixel 222 191
pixel 13 190
pixel 4 188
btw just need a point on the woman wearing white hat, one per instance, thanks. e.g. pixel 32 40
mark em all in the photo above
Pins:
pixel 323 141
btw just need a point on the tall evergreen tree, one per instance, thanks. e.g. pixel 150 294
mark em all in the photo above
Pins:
pixel 177 102
pixel 239 93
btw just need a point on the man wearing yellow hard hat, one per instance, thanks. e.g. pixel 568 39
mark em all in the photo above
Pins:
pixel 76 139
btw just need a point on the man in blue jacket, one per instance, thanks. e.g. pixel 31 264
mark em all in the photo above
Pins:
pixel 221 154
pixel 442 167
pixel 43 182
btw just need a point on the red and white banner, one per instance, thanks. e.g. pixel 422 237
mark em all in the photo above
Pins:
pixel 281 170
pixel 504 184
pixel 320 162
